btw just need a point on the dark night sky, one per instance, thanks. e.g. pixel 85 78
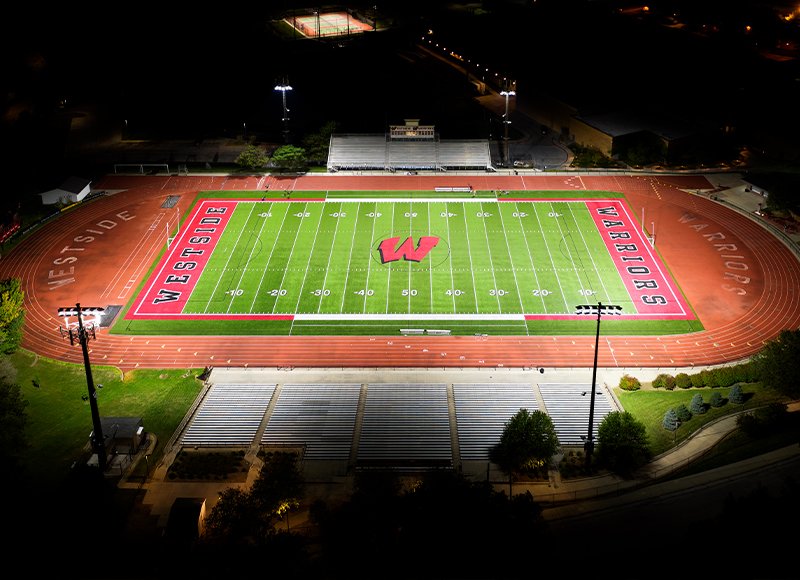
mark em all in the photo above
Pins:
pixel 183 72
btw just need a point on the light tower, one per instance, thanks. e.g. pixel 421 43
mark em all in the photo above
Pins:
pixel 506 123
pixel 283 88
pixel 598 309
pixel 82 334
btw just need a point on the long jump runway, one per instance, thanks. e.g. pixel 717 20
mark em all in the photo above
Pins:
pixel 742 282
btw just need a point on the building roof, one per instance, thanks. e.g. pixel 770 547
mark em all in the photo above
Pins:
pixel 617 124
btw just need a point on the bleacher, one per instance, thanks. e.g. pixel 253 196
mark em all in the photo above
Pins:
pixel 482 411
pixel 352 152
pixel 405 423
pixel 401 425
pixel 320 418
pixel 568 407
pixel 228 415
pixel 464 154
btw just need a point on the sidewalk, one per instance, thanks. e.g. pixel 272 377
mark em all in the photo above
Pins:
pixel 605 489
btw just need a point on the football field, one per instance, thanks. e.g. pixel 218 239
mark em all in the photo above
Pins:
pixel 392 258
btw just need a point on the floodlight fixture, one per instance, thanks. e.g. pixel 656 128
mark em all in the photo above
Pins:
pixel 506 122
pixel 283 88
pixel 596 309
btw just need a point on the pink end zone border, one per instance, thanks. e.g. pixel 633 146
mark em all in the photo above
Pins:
pixel 170 286
pixel 165 295
pixel 652 292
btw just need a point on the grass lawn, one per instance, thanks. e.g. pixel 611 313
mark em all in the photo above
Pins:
pixel 650 406
pixel 60 421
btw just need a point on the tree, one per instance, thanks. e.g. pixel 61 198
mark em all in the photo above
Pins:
pixel 279 485
pixel 252 157
pixel 249 517
pixel 778 363
pixel 12 314
pixel 622 442
pixel 289 158
pixel 716 400
pixel 735 395
pixel 684 414
pixel 317 144
pixel 671 421
pixel 697 406
pixel 527 443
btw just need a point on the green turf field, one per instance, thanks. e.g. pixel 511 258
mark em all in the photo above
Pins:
pixel 490 259
pixel 381 260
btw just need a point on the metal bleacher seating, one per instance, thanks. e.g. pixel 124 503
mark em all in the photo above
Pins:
pixel 379 153
pixel 482 411
pixel 386 424
pixel 228 415
pixel 568 407
pixel 405 423
pixel 319 417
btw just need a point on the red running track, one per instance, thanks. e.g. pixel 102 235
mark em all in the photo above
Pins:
pixel 741 280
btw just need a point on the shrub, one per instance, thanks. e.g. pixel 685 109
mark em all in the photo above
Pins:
pixel 664 381
pixel 683 381
pixel 735 395
pixel 671 421
pixel 684 414
pixel 629 383
pixel 716 400
pixel 699 379
pixel 697 406
pixel 726 376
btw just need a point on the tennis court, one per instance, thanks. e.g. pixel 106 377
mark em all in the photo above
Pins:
pixel 327 24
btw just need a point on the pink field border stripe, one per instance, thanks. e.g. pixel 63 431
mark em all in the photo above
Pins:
pixel 176 277
pixel 652 292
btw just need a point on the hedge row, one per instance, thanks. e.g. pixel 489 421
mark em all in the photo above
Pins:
pixel 718 377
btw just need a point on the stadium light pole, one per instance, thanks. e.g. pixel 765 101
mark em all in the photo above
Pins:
pixel 283 88
pixel 83 334
pixel 506 122
pixel 598 309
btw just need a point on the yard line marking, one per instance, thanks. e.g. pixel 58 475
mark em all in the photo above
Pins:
pixel 550 255
pixel 450 257
pixel 330 253
pixel 410 232
pixel 471 265
pixel 567 246
pixel 369 259
pixel 350 258
pixel 530 255
pixel 430 268
pixel 250 257
pixel 591 257
pixel 227 262
pixel 511 259
pixel 289 257
pixel 491 260
pixel 308 261
pixel 389 269
pixel 285 208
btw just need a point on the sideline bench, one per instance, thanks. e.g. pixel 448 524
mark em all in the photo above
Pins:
pixel 467 189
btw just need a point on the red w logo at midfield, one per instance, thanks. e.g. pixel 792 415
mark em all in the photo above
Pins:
pixel 406 250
